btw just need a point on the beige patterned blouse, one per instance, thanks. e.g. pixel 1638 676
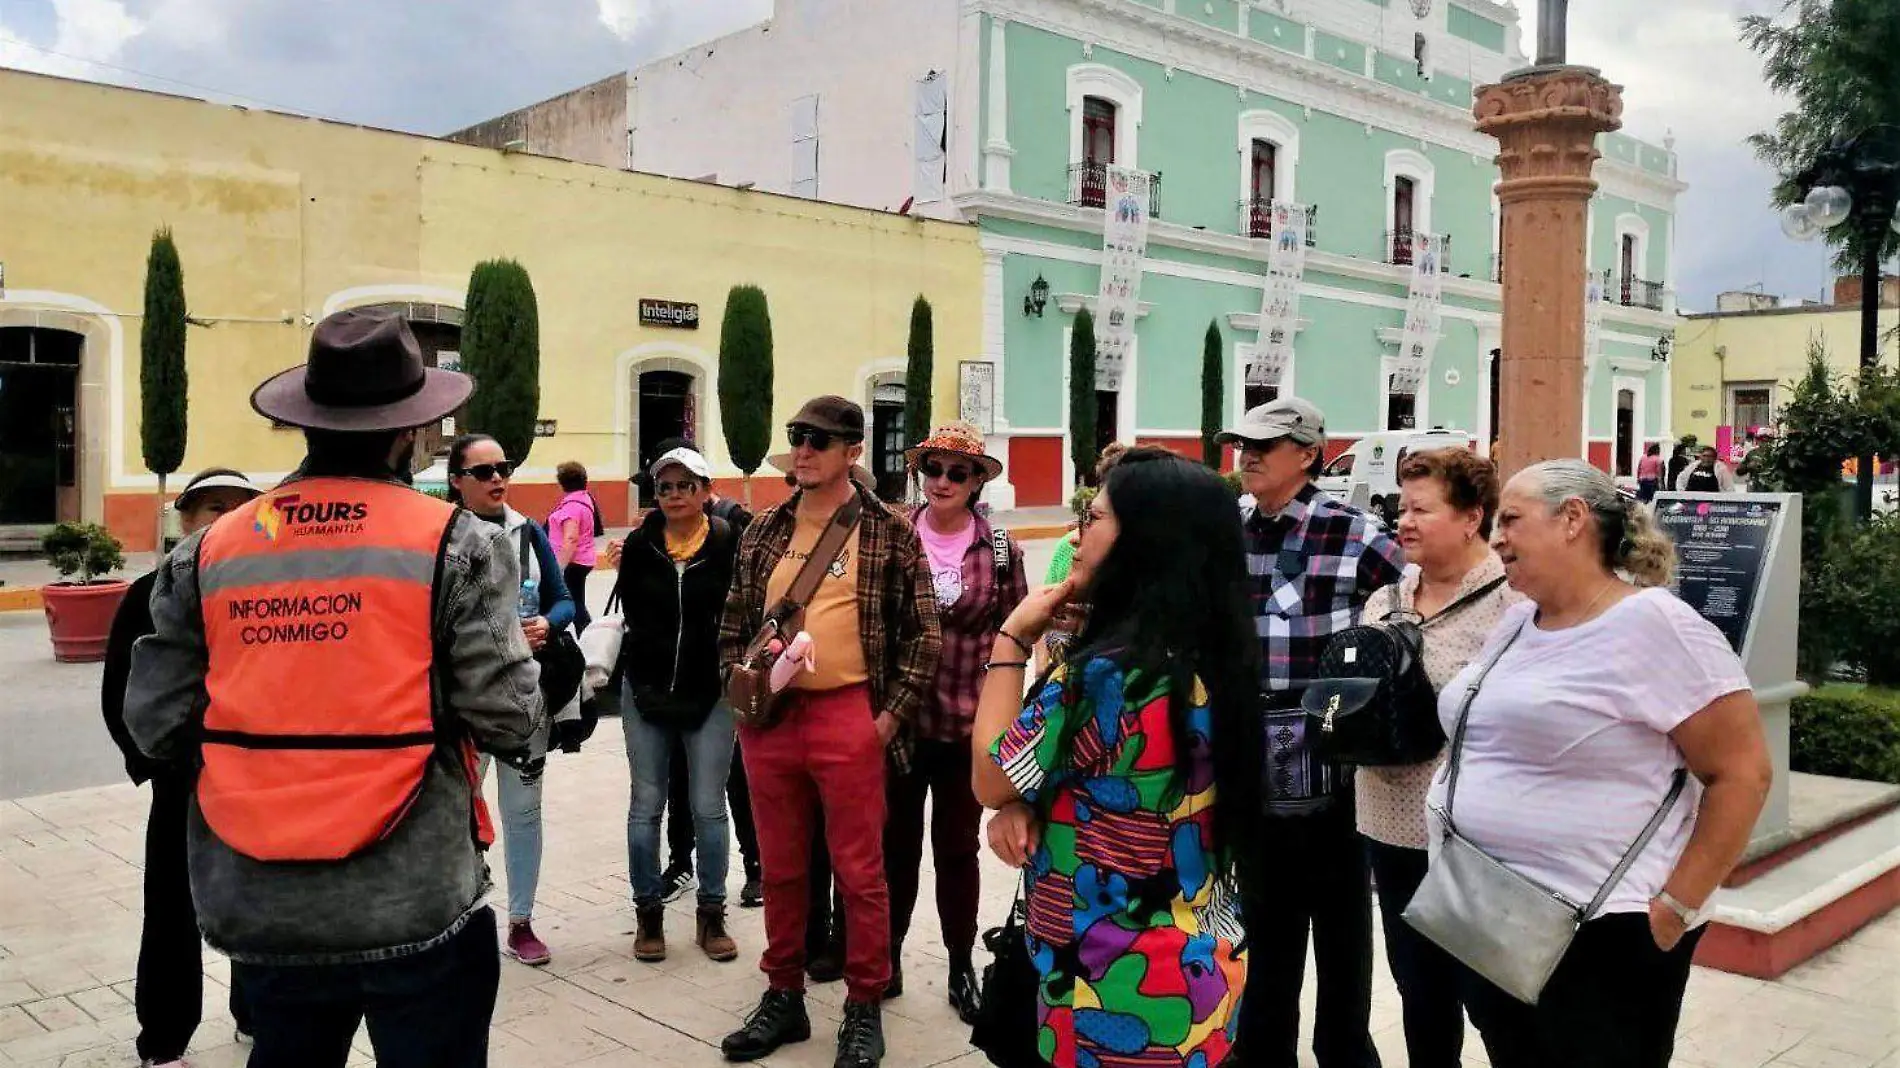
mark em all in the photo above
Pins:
pixel 1391 801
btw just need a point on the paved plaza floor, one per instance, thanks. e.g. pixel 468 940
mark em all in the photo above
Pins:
pixel 69 916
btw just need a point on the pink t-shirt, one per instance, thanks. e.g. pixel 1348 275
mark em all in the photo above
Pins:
pixel 946 552
pixel 1650 467
pixel 1567 750
pixel 576 508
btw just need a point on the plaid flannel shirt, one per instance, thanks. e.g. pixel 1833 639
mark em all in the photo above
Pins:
pixel 1311 569
pixel 969 634
pixel 902 639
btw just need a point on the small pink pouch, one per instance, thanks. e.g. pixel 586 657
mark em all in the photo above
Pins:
pixel 799 654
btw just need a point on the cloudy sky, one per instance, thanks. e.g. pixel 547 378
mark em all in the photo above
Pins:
pixel 436 65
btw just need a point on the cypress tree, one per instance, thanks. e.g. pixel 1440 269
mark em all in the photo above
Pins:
pixel 501 349
pixel 917 374
pixel 745 380
pixel 1082 394
pixel 162 377
pixel 1212 393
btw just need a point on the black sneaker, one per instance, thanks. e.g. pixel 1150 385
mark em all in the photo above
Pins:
pixel 895 988
pixel 676 882
pixel 780 1018
pixel 860 1036
pixel 752 895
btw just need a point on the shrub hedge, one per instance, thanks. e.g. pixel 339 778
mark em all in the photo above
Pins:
pixel 1848 731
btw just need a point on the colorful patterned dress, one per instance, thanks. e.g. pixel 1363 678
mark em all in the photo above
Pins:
pixel 1133 935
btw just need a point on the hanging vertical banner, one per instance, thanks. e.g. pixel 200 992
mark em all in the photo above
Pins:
pixel 1124 248
pixel 1423 305
pixel 1280 298
pixel 1592 315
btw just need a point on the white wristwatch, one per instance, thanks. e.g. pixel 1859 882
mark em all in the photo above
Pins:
pixel 1690 918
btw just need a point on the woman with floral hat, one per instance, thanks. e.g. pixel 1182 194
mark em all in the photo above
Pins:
pixel 979 579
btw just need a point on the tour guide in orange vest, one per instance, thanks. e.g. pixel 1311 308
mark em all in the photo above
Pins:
pixel 331 656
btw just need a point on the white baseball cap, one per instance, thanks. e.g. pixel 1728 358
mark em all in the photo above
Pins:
pixel 1288 417
pixel 690 459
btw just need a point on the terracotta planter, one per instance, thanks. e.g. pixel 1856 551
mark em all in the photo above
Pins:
pixel 80 618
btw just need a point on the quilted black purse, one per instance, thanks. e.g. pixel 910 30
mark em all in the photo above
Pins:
pixel 1372 703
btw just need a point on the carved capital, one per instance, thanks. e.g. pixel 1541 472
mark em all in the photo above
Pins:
pixel 1546 123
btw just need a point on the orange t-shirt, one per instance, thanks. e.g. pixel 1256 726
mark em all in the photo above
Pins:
pixel 832 616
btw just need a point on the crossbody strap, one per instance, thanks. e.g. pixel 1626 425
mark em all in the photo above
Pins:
pixel 1464 716
pixel 830 544
pixel 1464 602
pixel 1676 785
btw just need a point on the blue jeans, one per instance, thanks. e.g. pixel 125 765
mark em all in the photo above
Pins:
pixel 708 762
pixel 520 831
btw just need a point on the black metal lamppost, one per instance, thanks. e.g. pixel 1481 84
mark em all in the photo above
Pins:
pixel 1855 180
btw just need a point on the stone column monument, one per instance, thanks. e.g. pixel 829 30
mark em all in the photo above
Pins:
pixel 1545 119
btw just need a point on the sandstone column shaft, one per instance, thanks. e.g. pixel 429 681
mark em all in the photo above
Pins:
pixel 1546 121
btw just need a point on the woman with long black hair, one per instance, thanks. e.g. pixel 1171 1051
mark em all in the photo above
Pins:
pixel 1126 784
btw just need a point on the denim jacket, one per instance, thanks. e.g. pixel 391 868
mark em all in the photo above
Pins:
pixel 421 885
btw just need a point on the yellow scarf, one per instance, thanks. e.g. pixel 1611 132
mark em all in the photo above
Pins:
pixel 684 549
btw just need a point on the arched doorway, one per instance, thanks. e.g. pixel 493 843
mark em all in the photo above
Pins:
pixel 1625 433
pixel 665 405
pixel 39 425
pixel 887 439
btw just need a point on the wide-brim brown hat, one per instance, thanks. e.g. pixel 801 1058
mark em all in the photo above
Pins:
pixel 782 462
pixel 365 373
pixel 956 439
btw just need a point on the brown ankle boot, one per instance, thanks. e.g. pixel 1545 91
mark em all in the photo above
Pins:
pixel 649 942
pixel 712 936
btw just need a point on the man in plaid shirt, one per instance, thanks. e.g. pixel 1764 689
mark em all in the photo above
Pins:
pixel 1311 564
pixel 877 640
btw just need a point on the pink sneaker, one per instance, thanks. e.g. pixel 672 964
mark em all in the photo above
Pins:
pixel 524 946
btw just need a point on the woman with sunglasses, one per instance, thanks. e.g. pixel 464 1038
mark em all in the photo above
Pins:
pixel 677 565
pixel 979 579
pixel 478 480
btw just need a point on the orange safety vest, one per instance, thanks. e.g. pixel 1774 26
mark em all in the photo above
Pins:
pixel 318 602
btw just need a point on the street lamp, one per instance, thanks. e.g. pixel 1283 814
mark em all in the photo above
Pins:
pixel 1855 180
pixel 1037 298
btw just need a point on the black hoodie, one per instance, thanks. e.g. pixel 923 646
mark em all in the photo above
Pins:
pixel 672 641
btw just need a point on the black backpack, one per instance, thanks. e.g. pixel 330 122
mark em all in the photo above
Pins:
pixel 1373 703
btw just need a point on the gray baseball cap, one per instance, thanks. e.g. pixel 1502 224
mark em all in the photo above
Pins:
pixel 1288 417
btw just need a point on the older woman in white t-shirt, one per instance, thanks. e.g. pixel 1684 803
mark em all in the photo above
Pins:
pixel 1607 686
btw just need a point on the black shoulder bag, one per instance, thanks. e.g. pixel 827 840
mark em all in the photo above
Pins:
pixel 1372 703
pixel 560 656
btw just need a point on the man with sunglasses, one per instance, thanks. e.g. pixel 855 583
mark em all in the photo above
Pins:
pixel 873 622
pixel 1312 563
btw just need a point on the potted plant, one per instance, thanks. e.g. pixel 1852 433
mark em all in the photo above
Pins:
pixel 79 613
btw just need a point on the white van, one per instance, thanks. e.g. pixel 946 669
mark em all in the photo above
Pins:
pixel 1368 471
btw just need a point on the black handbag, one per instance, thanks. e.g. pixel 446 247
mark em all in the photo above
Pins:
pixel 1372 703
pixel 1006 1017
pixel 560 657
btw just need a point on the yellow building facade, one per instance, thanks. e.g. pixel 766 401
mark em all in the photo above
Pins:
pixel 281 220
pixel 1737 369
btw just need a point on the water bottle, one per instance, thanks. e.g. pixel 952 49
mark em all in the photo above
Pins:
pixel 529 606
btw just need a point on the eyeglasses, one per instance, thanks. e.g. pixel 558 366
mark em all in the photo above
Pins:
pixel 819 440
pixel 667 489
pixel 484 472
pixel 933 469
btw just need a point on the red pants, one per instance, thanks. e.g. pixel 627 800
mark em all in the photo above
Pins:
pixel 823 755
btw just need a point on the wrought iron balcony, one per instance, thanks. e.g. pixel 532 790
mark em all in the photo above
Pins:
pixel 1632 292
pixel 1398 249
pixel 1256 219
pixel 1088 187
